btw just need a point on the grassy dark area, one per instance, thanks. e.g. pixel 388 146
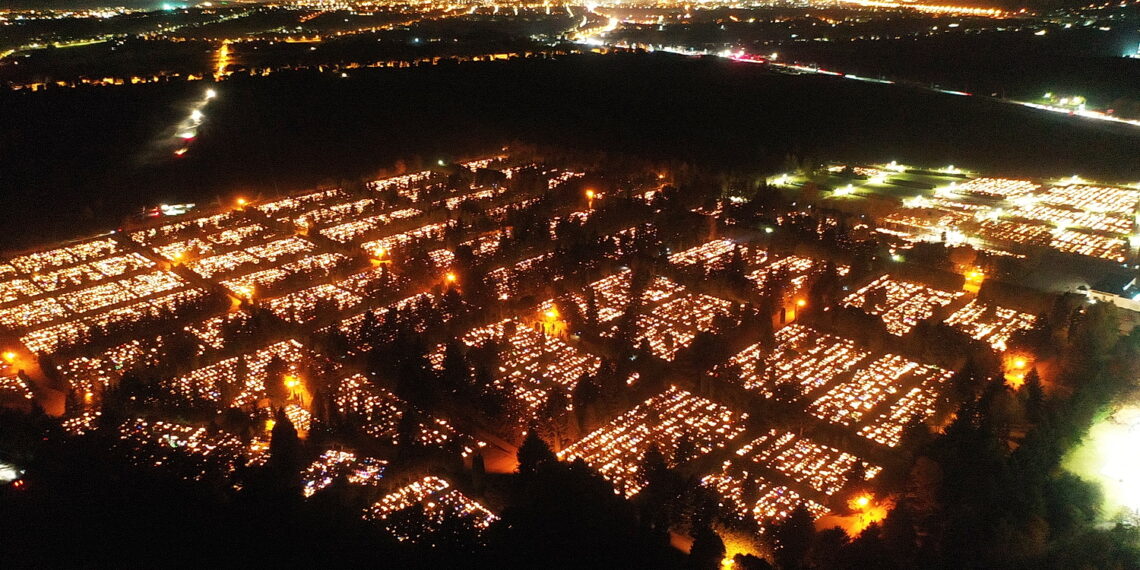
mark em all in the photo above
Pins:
pixel 1018 65
pixel 78 160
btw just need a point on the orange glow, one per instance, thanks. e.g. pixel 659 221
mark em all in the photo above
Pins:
pixel 865 511
pixel 9 357
pixel 241 202
pixel 974 279
pixel 590 194
pixel 801 303
pixel 269 424
pixel 222 60
pixel 1016 366
pixel 292 382
pixel 451 277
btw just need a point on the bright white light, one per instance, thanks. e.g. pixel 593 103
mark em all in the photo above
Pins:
pixel 955 237
pixel 9 473
pixel 916 202
pixel 1106 457
pixel 210 93
pixel 196 115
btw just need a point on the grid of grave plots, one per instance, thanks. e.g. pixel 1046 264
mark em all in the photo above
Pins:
pixel 52 299
pixel 718 254
pixel 531 364
pixel 379 412
pixel 804 359
pixel 669 317
pixel 353 327
pixel 917 405
pixel 768 477
pixel 875 383
pixel 384 246
pixel 208 382
pixel 306 305
pixel 153 443
pixel 797 267
pixel 1006 214
pixel 672 325
pixel 211 331
pixel 330 208
pixel 486 245
pixel 12 386
pixel 616 449
pixel 92 375
pixel 921 225
pixel 334 463
pixel 900 304
pixel 439 501
pixel 991 324
pixel 316 292
pixel 508 281
pixel 1067 240
pixel 874 395
pixel 996 187
pixel 612 294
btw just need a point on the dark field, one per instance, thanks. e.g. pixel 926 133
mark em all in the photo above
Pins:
pixel 75 161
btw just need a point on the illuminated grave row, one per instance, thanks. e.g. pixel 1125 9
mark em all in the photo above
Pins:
pixel 616 450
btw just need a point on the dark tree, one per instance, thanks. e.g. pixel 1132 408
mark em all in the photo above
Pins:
pixel 792 537
pixel 707 551
pixel 534 454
